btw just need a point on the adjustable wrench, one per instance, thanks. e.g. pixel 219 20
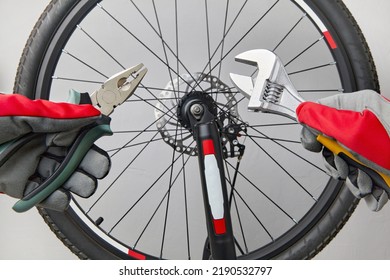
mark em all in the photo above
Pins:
pixel 273 92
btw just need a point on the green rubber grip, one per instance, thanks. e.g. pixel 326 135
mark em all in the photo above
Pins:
pixel 4 146
pixel 79 149
pixel 9 148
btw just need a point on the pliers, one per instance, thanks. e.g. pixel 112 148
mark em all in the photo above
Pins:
pixel 273 92
pixel 113 92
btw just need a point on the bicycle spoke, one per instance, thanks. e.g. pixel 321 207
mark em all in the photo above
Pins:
pixel 254 215
pixel 312 68
pixel 148 130
pixel 165 45
pixel 284 169
pixel 147 191
pixel 260 191
pixel 241 227
pixel 224 36
pixel 150 125
pixel 122 172
pixel 158 206
pixel 150 99
pixel 232 184
pixel 243 37
pixel 186 202
pixel 275 139
pixel 238 246
pixel 161 89
pixel 223 92
pixel 76 80
pixel 133 145
pixel 222 109
pixel 232 99
pixel 149 221
pixel 177 43
pixel 284 147
pixel 100 46
pixel 142 43
pixel 304 51
pixel 223 41
pixel 156 108
pixel 289 32
pixel 84 63
pixel 275 124
pixel 168 198
pixel 114 59
pixel 207 33
pixel 159 33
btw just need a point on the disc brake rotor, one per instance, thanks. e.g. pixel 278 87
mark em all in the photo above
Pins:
pixel 171 130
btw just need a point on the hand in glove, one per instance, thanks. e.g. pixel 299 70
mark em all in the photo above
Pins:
pixel 359 122
pixel 55 126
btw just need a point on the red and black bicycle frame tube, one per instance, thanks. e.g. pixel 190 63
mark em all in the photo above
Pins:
pixel 214 188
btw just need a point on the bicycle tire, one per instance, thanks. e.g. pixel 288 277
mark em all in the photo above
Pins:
pixel 317 228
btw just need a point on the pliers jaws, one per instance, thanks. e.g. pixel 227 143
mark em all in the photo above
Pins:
pixel 118 88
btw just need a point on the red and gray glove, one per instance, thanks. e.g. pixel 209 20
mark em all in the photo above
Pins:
pixel 56 125
pixel 359 122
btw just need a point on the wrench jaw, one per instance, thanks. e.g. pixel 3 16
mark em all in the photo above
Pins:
pixel 243 83
pixel 272 91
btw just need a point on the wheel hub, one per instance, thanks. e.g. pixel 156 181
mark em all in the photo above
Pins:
pixel 192 103
pixel 178 96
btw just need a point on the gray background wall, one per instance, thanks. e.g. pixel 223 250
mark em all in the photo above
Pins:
pixel 25 236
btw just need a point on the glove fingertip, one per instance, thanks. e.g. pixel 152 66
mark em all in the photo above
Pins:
pixel 341 166
pixel 96 157
pixel 81 184
pixel 376 204
pixel 309 141
pixel 57 201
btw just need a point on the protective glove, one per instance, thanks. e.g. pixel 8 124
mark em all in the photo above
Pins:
pixel 359 122
pixel 56 125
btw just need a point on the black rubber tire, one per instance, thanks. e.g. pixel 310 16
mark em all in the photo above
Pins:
pixel 323 227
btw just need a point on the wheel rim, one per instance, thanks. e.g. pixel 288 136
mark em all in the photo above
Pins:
pixel 266 217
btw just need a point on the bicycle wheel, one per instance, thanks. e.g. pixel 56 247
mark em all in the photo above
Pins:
pixel 283 205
